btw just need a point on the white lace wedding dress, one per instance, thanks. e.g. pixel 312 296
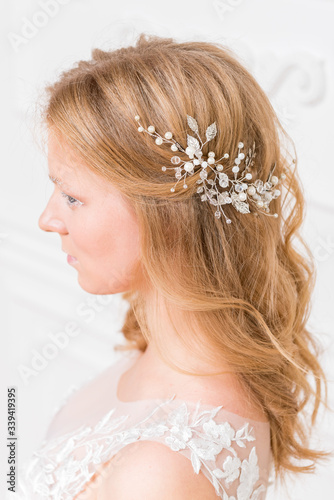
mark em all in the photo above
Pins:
pixel 92 425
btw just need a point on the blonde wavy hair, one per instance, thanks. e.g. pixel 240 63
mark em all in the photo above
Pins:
pixel 244 285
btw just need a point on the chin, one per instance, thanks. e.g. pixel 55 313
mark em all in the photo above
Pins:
pixel 96 288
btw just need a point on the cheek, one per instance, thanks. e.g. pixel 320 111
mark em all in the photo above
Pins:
pixel 113 259
pixel 111 240
pixel 119 243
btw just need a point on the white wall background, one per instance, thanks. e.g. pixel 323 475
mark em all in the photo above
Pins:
pixel 289 47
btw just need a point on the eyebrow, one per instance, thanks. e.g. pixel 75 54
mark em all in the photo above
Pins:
pixel 55 179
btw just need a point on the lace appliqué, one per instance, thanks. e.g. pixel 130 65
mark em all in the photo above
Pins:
pixel 60 469
pixel 206 439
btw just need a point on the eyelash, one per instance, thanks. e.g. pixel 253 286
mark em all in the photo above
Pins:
pixel 71 201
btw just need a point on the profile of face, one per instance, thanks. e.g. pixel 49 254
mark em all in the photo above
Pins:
pixel 97 225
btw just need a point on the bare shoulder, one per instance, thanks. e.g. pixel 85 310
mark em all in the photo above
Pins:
pixel 153 379
pixel 150 470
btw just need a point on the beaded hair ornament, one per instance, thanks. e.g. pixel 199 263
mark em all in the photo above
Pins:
pixel 239 192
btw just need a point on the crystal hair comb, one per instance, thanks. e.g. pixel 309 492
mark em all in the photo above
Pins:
pixel 239 193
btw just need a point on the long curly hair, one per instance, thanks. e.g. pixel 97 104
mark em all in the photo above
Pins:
pixel 245 286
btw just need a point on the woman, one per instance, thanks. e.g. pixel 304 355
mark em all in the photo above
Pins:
pixel 210 398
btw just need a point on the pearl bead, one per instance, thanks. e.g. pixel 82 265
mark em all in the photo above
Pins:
pixel 204 164
pixel 219 167
pixel 190 150
pixel 251 190
pixel 240 145
pixel 241 156
pixel 151 128
pixel 172 190
pixel 137 118
pixel 235 169
pixel 211 153
pixel 274 179
pixel 249 176
pixel 175 160
pixel 275 215
pixel 140 129
pixel 211 160
pixel 168 135
pixel 260 203
pixel 173 147
pixel 188 167
pixel 226 155
pixel 196 162
pixel 237 161
pixel 159 141
pixel 242 196
pixel 228 221
pixel 163 168
pixel 185 186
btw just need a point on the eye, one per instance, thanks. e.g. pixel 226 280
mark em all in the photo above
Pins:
pixel 70 200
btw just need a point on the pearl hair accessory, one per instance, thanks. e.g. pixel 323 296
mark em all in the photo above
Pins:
pixel 240 192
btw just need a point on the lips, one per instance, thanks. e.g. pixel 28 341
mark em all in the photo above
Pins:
pixel 71 259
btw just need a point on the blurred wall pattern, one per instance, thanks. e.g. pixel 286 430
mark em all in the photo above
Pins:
pixel 56 335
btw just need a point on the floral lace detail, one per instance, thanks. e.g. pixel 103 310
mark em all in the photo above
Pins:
pixel 206 439
pixel 60 469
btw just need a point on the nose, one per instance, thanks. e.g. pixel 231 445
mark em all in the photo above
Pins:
pixel 49 220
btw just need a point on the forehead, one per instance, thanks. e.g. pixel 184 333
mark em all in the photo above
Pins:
pixel 65 165
pixel 61 157
pixel 69 169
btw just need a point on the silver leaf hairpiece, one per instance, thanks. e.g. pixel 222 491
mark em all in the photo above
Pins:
pixel 239 193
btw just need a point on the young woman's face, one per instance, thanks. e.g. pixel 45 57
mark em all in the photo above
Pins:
pixel 97 226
